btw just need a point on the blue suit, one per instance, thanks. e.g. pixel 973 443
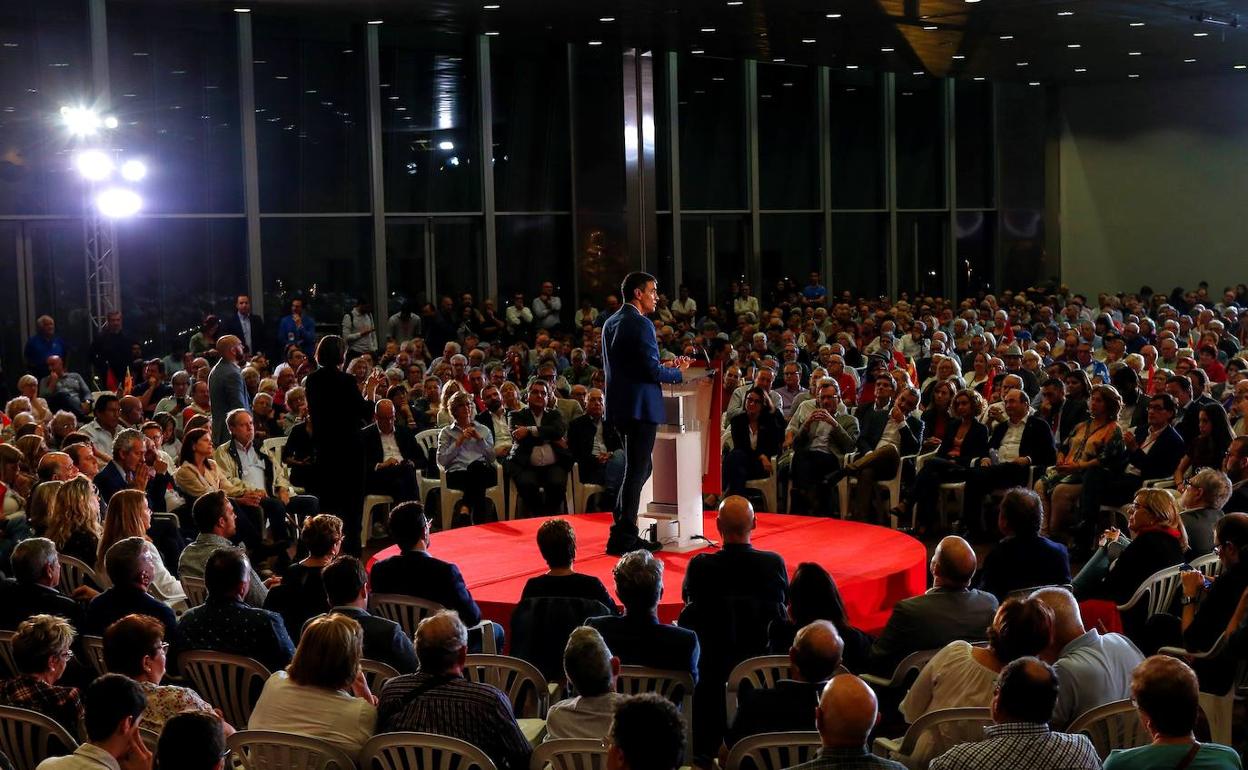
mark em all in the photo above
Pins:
pixel 634 404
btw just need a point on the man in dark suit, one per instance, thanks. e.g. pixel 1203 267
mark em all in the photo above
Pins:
pixel 391 455
pixel 949 611
pixel 1236 468
pixel 785 707
pixel 1024 558
pixel 416 572
pixel 1154 450
pixel 634 401
pixel 1187 420
pixel 539 459
pixel 226 389
pixel 1061 414
pixel 596 447
pixel 38 572
pixel 245 325
pixel 129 470
pixel 737 570
pixel 887 436
pixel 346 586
pixel 1019 442
pixel 130 570
pixel 638 638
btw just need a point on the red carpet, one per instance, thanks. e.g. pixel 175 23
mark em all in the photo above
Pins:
pixel 874 567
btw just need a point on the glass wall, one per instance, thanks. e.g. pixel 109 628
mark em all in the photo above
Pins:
pixel 325 261
pixel 711 109
pixel 856 106
pixel 530 99
pixel 788 137
pixel 920 143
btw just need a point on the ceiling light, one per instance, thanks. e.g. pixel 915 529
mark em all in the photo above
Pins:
pixel 1081 69
pixel 1241 66
pixel 118 203
pixel 887 50
pixel 492 33
pixel 1200 34
pixel 930 27
pixel 1007 37
pixel 595 42
pixel 1189 61
pixel 1034 83
pixel 242 10
pixel 1135 53
pixel 1022 63
pixel 779 59
pixel 708 29
pixel 133 170
pixel 851 66
pixel 697 52
pixel 491 7
pixel 446 145
pixel 834 16
pixel 94 165
pixel 1073 45
pixel 375 22
pixel 980 78
pixel 972 1
pixel 1133 75
pixel 1065 13
pixel 735 2
pixel 1137 24
pixel 607 19
pixel 958 57
pixel 808 40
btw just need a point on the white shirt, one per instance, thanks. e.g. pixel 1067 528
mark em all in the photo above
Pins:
pixel 582 717
pixel 685 307
pixel 341 720
pixel 600 446
pixel 1011 441
pixel 389 447
pixel 250 466
pixel 891 434
pixel 101 438
pixel 88 756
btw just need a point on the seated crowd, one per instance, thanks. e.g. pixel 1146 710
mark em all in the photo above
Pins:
pixel 1083 449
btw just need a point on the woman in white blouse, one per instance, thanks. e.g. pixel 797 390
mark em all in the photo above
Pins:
pixel 197 475
pixel 129 516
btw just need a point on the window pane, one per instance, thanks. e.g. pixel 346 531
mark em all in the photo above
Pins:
pixel 176 271
pixel 792 248
pixel 60 275
pixel 712 133
pixel 976 230
pixel 859 254
pixel 429 119
pixel 921 244
pixel 1021 121
pixel 788 137
pixel 531 158
pixel 458 251
pixel 601 248
pixel 857 140
pixel 175 86
pixel 693 259
pixel 920 143
pixel 405 264
pixel 311 121
pixel 532 249
pixel 975 149
pixel 47 65
pixel 326 262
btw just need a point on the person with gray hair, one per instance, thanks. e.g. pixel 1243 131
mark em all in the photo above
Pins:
pixel 130 570
pixel 438 699
pixel 1201 507
pixel 591 669
pixel 638 637
pixel 37 570
pixel 132 468
pixel 41 652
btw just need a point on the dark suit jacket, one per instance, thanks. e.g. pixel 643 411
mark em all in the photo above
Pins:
pixel 789 706
pixel 630 358
pixel 1023 561
pixel 581 441
pixel 930 621
pixel 19 601
pixel 1163 458
pixel 770 435
pixel 259 336
pixel 1070 414
pixel 416 573
pixel 1189 421
pixel 116 603
pixel 640 640
pixel 553 428
pixel 974 445
pixel 871 427
pixel 374 454
pixel 736 570
pixel 1037 442
pixel 110 480
pixel 228 392
pixel 384 640
pixel 1148 552
pixel 1238 501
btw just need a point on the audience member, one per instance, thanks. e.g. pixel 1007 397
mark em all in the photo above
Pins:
pixel 41 652
pixel 214 517
pixel 438 699
pixel 813 596
pixel 103 429
pixel 226 390
pixel 556 540
pixel 251 477
pixel 591 670
pixel 539 455
pixel 1236 468
pixel 647 733
pixel 886 435
pixel 346 587
pixel 845 717
pixel 391 455
pixel 1096 443
pixel 737 570
pixel 820 435
pixel 595 446
pixel 74 520
pixel 129 567
pixel 1201 506
pixel 37 572
pixel 1019 443
pixel 756 434
pixel 466 456
pixel 129 516
pixel 301 594
pixel 1023 558
pixel 113 705
pixel 1019 735
pixel 192 740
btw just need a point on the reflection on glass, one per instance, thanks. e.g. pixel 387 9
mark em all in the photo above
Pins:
pixel 859 254
pixel 712 133
pixel 531 158
pixel 457 250
pixel 974 263
pixel 324 261
pixel 920 143
pixel 921 248
pixel 792 248
pixel 533 249
pixel 857 122
pixel 788 137
pixel 406 262
pixel 56 249
pixel 974 151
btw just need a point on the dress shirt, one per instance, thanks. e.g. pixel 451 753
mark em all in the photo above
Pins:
pixel 1021 746
pixel 359 341
pixel 582 717
pixel 788 399
pixel 859 758
pixel 389 446
pixel 227 625
pixel 599 445
pixel 250 466
pixel 195 556
pixel 1011 441
pixel 454 707
pixel 1092 670
pixel 101 437
pixel 546 311
pixel 453 457
pixel 71 385
pixel 88 756
pixel 501 430
pixel 64 704
pixel 333 716
pixel 891 434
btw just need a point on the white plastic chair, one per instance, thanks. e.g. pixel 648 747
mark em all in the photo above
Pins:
pixel 371 502
pixel 569 754
pixel 93 650
pixel 1209 564
pixel 230 682
pixel 269 749
pixel 1218 707
pixel 949 491
pixel 773 751
pixel 676 686
pixel 891 486
pixel 377 673
pixel 6 653
pixel 422 751
pixel 408 611
pixel 449 497
pixel 768 486
pixel 427 440
pixel 75 573
pixel 1160 588
pixel 912 663
pixel 523 685
pixel 761 671
pixel 948 728
pixel 195 590
pixel 579 492
pixel 28 737
pixel 1111 726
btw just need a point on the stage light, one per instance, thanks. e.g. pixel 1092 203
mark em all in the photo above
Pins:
pixel 446 145
pixel 133 170
pixel 80 121
pixel 94 165
pixel 118 203
pixel 110 122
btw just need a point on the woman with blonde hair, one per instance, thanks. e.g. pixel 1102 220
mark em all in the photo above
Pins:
pixel 39 507
pixel 449 389
pixel 28 386
pixel 323 692
pixel 129 516
pixel 33 448
pixel 74 521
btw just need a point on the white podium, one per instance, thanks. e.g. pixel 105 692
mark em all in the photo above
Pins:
pixel 671 500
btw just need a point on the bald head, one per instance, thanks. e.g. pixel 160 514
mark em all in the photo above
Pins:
pixel 846 713
pixel 56 466
pixel 816 652
pixel 953 564
pixel 1067 620
pixel 735 520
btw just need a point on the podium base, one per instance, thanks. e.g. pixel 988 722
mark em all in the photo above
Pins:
pixel 666 526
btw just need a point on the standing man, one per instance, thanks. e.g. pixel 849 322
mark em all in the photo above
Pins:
pixel 630 357
pixel 226 389
pixel 245 325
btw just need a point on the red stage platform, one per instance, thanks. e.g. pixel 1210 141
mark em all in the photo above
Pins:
pixel 874 567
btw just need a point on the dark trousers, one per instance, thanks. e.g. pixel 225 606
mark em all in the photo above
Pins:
pixel 397 481
pixel 741 465
pixel 473 481
pixel 542 489
pixel 925 491
pixel 808 470
pixel 637 438
pixel 982 481
pixel 1106 487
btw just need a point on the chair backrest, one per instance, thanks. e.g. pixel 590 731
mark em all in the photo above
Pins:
pixel 762 671
pixel 150 738
pixel 1023 593
pixel 773 751
pixel 948 728
pixel 422 751
pixel 28 737
pixel 1159 590
pixel 405 610
pixel 911 664
pixel 570 754
pixel 6 653
pixel 427 440
pixel 271 750
pixel 232 683
pixel 519 680
pixel 377 673
pixel 540 628
pixel 1209 564
pixel 1111 726
pixel 195 590
pixel 272 447
pixel 75 573
pixel 93 649
pixel 676 686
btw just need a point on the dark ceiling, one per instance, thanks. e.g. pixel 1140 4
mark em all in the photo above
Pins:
pixel 1024 40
